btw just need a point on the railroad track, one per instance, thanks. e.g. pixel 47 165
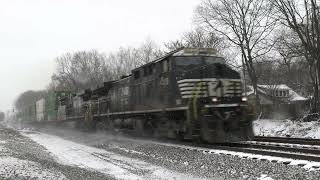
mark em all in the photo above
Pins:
pixel 272 150
pixel 302 141
pixel 263 148
pixel 253 152
pixel 289 148
pixel 293 148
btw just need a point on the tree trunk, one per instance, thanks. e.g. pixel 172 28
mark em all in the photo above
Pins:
pixel 255 88
pixel 316 87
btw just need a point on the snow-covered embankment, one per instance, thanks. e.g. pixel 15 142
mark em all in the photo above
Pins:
pixel 287 128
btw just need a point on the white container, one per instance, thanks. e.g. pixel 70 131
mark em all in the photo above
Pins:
pixel 40 110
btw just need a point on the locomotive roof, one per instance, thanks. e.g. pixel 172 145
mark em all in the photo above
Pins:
pixel 183 51
pixel 196 52
pixel 161 58
pixel 121 79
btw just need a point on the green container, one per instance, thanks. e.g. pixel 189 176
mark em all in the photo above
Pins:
pixel 52 104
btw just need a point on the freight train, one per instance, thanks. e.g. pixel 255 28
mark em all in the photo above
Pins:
pixel 190 93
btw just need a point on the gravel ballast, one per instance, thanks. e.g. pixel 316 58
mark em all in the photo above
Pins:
pixel 197 163
pixel 21 158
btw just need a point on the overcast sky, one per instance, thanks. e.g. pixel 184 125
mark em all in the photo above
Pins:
pixel 34 32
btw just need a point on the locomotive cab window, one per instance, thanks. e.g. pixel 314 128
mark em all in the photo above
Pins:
pixel 148 70
pixel 136 74
pixel 145 71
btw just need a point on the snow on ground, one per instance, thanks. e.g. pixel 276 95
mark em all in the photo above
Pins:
pixel 121 167
pixel 287 128
pixel 264 177
pixel 13 168
pixel 21 159
pixel 163 160
pixel 305 164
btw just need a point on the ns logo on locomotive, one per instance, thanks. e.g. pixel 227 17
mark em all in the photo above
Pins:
pixel 189 93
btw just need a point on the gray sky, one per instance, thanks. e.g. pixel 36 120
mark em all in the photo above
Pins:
pixel 34 32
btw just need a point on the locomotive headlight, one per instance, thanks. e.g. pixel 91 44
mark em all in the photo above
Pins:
pixel 214 99
pixel 244 99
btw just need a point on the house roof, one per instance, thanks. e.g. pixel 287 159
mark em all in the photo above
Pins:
pixel 293 96
pixel 275 86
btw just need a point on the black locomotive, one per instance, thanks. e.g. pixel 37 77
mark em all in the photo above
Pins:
pixel 189 93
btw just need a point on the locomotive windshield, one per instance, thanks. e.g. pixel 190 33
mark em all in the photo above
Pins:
pixel 188 62
pixel 185 63
pixel 212 60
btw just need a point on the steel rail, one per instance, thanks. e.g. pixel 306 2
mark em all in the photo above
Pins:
pixel 303 141
pixel 267 151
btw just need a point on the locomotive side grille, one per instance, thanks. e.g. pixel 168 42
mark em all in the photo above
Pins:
pixel 190 88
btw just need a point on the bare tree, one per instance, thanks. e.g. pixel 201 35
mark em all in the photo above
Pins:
pixel 80 70
pixel 303 18
pixel 198 37
pixel 28 98
pixel 122 62
pixel 126 59
pixel 245 23
pixel 265 71
pixel 174 44
pixel 290 60
pixel 89 69
pixel 288 46
pixel 147 52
